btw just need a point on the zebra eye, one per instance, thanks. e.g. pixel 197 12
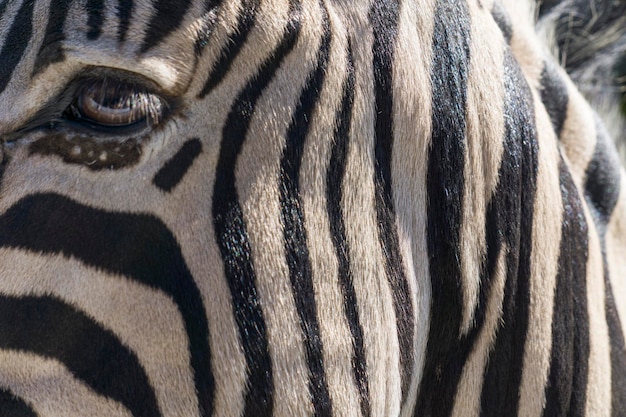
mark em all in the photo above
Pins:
pixel 114 103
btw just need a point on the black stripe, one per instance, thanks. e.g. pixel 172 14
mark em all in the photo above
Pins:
pixel 502 221
pixel 11 406
pixel 503 376
pixel 51 50
pixel 502 233
pixel 567 382
pixel 96 18
pixel 602 189
pixel 554 96
pixel 503 21
pixel 168 17
pixel 4 161
pixel 545 6
pixel 137 246
pixel 124 14
pixel 603 179
pixel 292 216
pixel 175 169
pixel 16 42
pixel 384 19
pixel 445 182
pixel 232 236
pixel 50 328
pixel 618 349
pixel 232 47
pixel 334 195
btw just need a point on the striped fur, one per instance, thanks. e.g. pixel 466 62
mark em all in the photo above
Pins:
pixel 348 208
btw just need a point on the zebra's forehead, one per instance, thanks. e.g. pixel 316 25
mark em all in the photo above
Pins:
pixel 46 44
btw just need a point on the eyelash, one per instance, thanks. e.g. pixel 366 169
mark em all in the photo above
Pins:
pixel 111 104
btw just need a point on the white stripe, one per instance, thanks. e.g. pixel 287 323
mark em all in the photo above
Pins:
pixel 579 136
pixel 51 390
pixel 485 133
pixel 467 402
pixel 598 394
pixel 358 207
pixel 546 236
pixel 615 250
pixel 412 101
pixel 187 213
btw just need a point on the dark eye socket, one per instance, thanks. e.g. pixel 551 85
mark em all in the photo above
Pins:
pixel 111 103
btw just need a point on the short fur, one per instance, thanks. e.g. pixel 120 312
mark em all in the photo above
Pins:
pixel 365 208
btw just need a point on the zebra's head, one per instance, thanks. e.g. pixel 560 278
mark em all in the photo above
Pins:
pixel 104 73
pixel 303 207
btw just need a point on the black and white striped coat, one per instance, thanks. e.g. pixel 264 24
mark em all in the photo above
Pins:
pixel 303 207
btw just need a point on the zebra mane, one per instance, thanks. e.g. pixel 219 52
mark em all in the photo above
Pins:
pixel 588 38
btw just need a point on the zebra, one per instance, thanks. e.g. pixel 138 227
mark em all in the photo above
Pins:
pixel 306 208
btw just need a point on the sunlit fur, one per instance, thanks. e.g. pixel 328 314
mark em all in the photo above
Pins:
pixel 344 208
